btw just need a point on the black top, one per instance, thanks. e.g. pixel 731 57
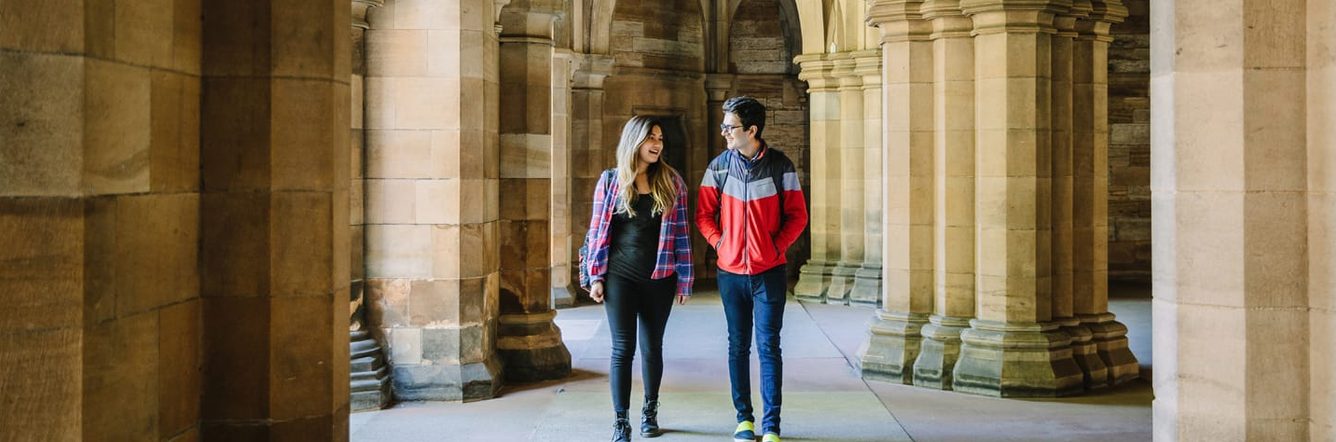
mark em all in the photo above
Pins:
pixel 635 241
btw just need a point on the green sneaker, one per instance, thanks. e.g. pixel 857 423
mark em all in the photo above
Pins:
pixel 746 432
pixel 770 437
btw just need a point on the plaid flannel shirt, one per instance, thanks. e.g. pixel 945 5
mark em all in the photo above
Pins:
pixel 674 253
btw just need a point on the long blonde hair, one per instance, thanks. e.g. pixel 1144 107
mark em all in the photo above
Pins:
pixel 660 175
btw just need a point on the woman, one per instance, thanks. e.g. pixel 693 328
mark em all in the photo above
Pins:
pixel 637 256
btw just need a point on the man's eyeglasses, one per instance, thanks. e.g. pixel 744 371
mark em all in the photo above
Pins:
pixel 728 127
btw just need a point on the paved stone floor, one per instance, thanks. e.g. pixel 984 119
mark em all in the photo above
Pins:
pixel 824 398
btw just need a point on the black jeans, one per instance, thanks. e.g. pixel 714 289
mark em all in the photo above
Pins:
pixel 651 301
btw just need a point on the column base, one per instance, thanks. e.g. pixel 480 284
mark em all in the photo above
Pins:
pixel 1093 372
pixel 941 350
pixel 1016 360
pixel 467 382
pixel 867 286
pixel 1110 339
pixel 563 297
pixel 530 345
pixel 813 280
pixel 894 340
pixel 841 283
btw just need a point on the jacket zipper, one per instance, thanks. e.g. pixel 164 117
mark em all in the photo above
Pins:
pixel 746 215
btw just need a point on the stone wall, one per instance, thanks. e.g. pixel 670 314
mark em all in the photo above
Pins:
pixel 756 43
pixel 659 35
pixel 1129 146
pixel 658 53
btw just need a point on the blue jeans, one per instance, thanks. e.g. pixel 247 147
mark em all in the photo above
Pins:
pixel 759 299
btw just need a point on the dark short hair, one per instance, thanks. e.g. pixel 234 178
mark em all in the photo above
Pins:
pixel 749 111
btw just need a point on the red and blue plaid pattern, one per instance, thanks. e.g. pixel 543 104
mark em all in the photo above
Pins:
pixel 674 254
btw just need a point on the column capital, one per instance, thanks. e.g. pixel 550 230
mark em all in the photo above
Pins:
pixel 816 69
pixel 591 69
pixel 1081 8
pixel 360 8
pixel 934 9
pixel 867 63
pixel 948 20
pixel 898 20
pixel 1065 20
pixel 571 59
pixel 1019 16
pixel 843 76
pixel 1101 16
pixel 497 6
pixel 530 25
pixel 718 85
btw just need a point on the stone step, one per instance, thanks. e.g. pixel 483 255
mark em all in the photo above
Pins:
pixel 362 345
pixel 373 351
pixel 368 401
pixel 369 383
pixel 366 385
pixel 376 374
pixel 369 363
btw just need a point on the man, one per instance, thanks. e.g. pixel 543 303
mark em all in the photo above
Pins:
pixel 751 209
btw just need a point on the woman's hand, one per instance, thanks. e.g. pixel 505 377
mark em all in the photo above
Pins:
pixel 682 299
pixel 596 291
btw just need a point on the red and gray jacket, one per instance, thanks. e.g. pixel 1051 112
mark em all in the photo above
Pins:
pixel 751 210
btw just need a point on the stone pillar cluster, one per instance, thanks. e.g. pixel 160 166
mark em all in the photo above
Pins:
pixel 824 199
pixel 867 277
pixel 589 152
pixel 953 192
pixel 528 341
pixel 433 269
pixel 1243 191
pixel 565 282
pixel 845 106
pixel 357 148
pixel 996 227
pixel 895 331
pixel 848 180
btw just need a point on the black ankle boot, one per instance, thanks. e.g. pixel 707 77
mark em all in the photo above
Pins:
pixel 621 428
pixel 649 419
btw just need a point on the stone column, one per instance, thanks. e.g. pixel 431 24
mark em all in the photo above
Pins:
pixel 1094 373
pixel 565 283
pixel 824 101
pixel 274 220
pixel 1012 348
pixel 848 181
pixel 357 143
pixel 1090 158
pixel 867 279
pixel 1321 137
pixel 907 164
pixel 718 88
pixel 1241 187
pixel 528 340
pixel 953 194
pixel 99 219
pixel 589 152
pixel 431 212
